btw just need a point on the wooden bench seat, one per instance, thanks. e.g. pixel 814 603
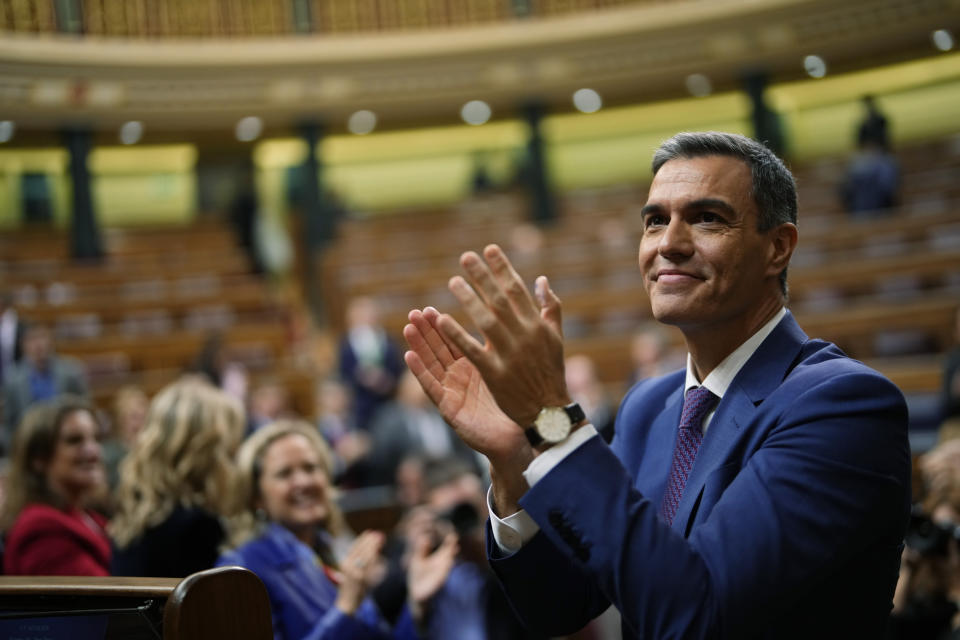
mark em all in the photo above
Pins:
pixel 217 604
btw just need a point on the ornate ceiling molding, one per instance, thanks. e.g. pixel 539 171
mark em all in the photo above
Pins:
pixel 629 54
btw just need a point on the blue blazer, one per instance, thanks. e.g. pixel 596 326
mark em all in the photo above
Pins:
pixel 302 596
pixel 790 525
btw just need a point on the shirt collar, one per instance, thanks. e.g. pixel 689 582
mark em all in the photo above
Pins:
pixel 718 381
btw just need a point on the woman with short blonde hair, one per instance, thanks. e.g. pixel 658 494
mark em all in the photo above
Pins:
pixel 177 482
pixel 285 535
pixel 249 519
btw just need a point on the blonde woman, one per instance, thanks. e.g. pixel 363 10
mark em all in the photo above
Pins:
pixel 176 482
pixel 56 471
pixel 286 536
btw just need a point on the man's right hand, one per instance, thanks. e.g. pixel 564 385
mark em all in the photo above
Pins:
pixel 453 383
pixel 455 386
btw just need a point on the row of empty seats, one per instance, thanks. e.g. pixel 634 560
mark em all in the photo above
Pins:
pixel 884 288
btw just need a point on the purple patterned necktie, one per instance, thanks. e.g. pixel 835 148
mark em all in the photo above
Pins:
pixel 696 405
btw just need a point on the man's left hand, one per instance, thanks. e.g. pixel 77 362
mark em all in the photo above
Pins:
pixel 522 358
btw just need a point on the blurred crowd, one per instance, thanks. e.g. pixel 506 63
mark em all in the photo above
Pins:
pixel 927 600
pixel 213 470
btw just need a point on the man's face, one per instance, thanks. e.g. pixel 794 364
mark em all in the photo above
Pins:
pixel 703 261
pixel 37 346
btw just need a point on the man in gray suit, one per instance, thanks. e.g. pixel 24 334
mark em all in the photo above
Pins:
pixel 40 375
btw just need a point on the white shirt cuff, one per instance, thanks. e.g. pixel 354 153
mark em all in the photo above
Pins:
pixel 513 531
pixel 550 458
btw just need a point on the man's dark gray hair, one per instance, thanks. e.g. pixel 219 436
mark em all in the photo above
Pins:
pixel 774 189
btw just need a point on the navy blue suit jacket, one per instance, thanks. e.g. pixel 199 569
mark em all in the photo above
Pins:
pixel 790 525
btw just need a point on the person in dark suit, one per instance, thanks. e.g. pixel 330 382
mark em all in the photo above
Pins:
pixel 369 361
pixel 410 426
pixel 41 375
pixel 11 329
pixel 763 492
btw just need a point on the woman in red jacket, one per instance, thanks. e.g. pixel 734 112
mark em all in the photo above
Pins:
pixel 55 470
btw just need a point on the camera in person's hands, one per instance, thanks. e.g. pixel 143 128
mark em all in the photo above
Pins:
pixel 463 516
pixel 928 537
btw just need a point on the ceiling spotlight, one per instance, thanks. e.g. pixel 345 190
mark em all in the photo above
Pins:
pixel 476 112
pixel 815 66
pixel 131 132
pixel 249 128
pixel 942 39
pixel 362 122
pixel 698 85
pixel 587 100
pixel 6 130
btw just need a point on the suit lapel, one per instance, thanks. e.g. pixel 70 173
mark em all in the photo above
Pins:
pixel 758 378
pixel 652 475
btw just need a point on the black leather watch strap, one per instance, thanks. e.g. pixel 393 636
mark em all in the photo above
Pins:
pixel 533 436
pixel 576 413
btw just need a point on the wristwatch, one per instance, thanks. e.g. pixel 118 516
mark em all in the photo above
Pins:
pixel 554 424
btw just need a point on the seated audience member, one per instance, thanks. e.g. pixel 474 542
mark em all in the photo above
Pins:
pixel 269 401
pixel 871 183
pixel 10 329
pixel 652 354
pixel 950 388
pixel 370 362
pixel 928 590
pixel 40 375
pixel 410 483
pixel 873 176
pixel 55 473
pixel 129 412
pixel 176 482
pixel 587 390
pixel 350 445
pixel 287 536
pixel 411 426
pixel 471 605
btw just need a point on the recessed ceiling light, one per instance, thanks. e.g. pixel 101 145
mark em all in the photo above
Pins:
pixel 587 100
pixel 249 128
pixel 476 112
pixel 362 122
pixel 131 132
pixel 6 130
pixel 699 85
pixel 942 39
pixel 815 66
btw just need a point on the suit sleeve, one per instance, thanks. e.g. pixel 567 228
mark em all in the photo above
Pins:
pixel 829 471
pixel 540 569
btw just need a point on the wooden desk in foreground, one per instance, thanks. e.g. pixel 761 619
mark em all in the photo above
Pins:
pixel 217 604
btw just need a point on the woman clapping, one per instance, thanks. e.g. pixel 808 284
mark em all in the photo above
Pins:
pixel 288 535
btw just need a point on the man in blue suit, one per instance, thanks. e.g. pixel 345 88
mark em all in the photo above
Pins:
pixel 761 493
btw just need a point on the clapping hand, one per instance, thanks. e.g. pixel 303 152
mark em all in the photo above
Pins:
pixel 428 570
pixel 360 570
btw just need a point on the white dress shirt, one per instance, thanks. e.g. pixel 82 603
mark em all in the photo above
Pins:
pixel 515 530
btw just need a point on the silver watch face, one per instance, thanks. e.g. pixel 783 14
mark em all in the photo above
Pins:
pixel 553 424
